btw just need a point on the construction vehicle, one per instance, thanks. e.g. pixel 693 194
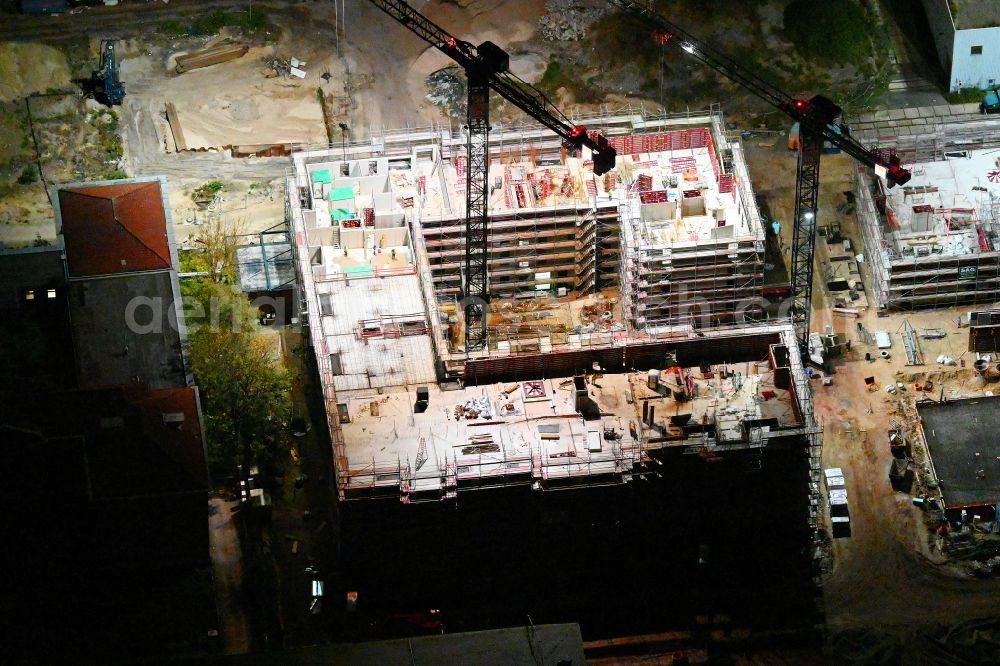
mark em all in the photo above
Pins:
pixel 991 102
pixel 487 67
pixel 818 120
pixel 108 89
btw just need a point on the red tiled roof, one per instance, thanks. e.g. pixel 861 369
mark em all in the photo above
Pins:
pixel 114 228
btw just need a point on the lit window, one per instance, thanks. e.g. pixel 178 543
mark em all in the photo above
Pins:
pixel 29 295
pixel 52 293
pixel 977 50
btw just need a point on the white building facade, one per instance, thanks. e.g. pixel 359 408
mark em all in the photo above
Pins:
pixel 967 37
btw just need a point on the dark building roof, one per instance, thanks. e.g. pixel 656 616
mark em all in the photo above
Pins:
pixel 107 492
pixel 973 14
pixel 36 348
pixel 135 441
pixel 111 229
pixel 127 329
pixel 28 269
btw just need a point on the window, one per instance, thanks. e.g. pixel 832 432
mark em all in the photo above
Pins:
pixel 29 295
pixel 52 293
pixel 977 50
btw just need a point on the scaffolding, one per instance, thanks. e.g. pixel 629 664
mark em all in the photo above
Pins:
pixel 583 231
pixel 689 283
pixel 956 265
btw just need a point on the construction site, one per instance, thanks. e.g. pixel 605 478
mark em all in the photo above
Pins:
pixel 638 366
pixel 935 242
pixel 590 276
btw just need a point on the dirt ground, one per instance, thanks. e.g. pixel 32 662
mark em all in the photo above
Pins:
pixel 888 572
pixel 397 96
pixel 235 104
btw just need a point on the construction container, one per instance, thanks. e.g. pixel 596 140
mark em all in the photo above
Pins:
pixel 835 483
pixel 834 477
pixel 210 56
pixel 838 503
pixel 43 6
pixel 841 527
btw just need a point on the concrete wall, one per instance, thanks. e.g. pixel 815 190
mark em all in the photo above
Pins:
pixel 976 71
pixel 942 30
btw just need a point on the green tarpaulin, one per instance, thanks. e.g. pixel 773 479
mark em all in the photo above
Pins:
pixel 321 176
pixel 341 193
pixel 341 213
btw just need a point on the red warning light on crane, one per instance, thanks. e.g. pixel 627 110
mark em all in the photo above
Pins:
pixel 577 131
pixel 662 37
pixel 451 43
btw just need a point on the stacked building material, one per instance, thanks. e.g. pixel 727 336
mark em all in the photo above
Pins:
pixel 210 56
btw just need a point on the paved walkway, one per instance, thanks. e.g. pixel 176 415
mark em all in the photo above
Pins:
pixel 227 567
pixel 914 120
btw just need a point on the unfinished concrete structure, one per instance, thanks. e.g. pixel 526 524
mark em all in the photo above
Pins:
pixel 935 241
pixel 599 285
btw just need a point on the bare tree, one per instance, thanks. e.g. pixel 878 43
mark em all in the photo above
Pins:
pixel 218 241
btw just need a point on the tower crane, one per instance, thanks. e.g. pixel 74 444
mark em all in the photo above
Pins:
pixel 487 66
pixel 819 120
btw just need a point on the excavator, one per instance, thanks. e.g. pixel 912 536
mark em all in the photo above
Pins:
pixel 108 89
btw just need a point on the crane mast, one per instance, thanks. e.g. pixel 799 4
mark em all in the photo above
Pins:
pixel 819 121
pixel 487 67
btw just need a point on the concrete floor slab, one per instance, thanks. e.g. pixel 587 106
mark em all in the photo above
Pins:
pixel 961 440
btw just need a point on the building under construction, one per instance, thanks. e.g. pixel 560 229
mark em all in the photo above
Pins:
pixel 596 282
pixel 935 241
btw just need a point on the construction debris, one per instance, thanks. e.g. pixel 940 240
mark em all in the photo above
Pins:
pixel 477 408
pixel 285 67
pixel 568 20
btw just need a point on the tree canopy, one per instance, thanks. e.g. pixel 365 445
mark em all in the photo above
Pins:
pixel 246 395
pixel 835 31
